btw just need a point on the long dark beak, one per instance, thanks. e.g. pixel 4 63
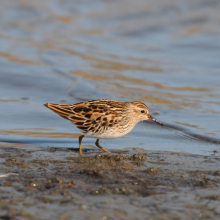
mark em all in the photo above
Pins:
pixel 155 120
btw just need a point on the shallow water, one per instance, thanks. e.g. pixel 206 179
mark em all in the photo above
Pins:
pixel 165 54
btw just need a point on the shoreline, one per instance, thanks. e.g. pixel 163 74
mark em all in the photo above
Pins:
pixel 57 183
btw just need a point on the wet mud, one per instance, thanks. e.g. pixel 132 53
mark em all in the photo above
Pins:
pixel 55 183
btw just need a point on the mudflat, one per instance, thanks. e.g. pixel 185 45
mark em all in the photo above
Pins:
pixel 57 183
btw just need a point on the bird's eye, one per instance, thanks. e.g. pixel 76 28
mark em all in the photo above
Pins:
pixel 142 111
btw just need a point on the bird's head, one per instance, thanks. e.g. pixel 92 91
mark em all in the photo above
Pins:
pixel 141 112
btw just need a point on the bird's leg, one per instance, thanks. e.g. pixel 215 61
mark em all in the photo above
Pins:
pixel 97 144
pixel 80 146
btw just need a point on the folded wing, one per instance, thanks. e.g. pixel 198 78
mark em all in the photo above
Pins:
pixel 87 116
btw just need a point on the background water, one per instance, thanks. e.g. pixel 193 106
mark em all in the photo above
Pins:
pixel 164 53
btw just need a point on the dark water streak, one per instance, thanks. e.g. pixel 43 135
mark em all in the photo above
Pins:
pixel 187 134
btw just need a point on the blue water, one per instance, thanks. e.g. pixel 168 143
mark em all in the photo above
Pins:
pixel 165 54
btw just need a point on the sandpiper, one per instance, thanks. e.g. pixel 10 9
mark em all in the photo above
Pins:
pixel 103 118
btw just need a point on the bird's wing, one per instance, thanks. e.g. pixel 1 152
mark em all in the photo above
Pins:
pixel 94 116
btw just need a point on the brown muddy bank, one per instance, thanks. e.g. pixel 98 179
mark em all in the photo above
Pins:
pixel 133 184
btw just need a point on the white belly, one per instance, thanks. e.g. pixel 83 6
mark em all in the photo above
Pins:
pixel 109 134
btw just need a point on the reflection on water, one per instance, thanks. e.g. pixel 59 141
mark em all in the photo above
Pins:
pixel 165 54
pixel 39 134
pixel 14 58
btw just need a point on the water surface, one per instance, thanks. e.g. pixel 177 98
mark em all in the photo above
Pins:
pixel 165 54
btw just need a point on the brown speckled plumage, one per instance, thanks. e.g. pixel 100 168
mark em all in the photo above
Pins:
pixel 103 118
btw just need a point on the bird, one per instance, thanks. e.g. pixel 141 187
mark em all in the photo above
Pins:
pixel 103 118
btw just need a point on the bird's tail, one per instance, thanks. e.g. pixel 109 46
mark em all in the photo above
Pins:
pixel 62 110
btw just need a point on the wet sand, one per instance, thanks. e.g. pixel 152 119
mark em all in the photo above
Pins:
pixel 163 53
pixel 55 183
